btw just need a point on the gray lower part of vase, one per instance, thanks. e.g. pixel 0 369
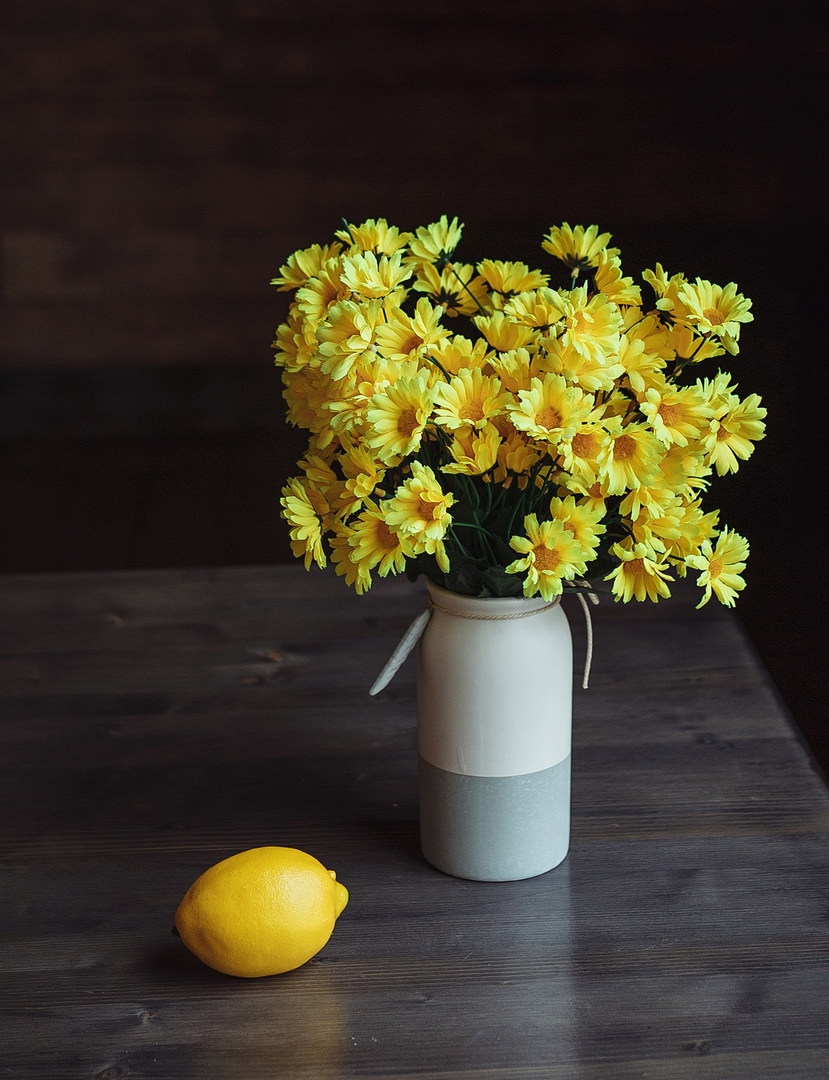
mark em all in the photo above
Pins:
pixel 495 828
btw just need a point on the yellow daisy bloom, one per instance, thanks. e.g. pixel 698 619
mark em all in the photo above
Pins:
pixel 507 279
pixel 684 470
pixel 581 454
pixel 406 337
pixel 540 309
pixel 363 475
pixel 551 555
pixel 640 575
pixel 372 278
pixel 398 417
pixel 577 248
pixel 721 567
pixel 469 400
pixel 305 509
pixel 591 325
pixel 322 291
pixel 355 576
pixel 420 510
pixel 678 414
pixel 667 290
pixel 517 453
pixel 690 347
pixel 375 545
pixel 377 236
pixel 736 426
pixel 712 309
pixel 582 520
pixel 474 452
pixel 436 243
pixel 296 342
pixel 502 333
pixel 551 409
pixel 594 373
pixel 303 265
pixel 514 368
pixel 631 458
pixel 346 336
pixel 696 527
pixel 456 288
pixel 611 282
pixel 457 352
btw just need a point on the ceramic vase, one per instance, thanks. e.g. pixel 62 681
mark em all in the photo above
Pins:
pixel 495 691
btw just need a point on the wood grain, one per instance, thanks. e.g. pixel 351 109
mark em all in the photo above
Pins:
pixel 155 722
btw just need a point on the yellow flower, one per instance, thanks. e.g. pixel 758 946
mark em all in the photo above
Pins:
pixel 469 400
pixel 474 452
pixel 363 474
pixel 551 555
pixel 594 372
pixel 712 309
pixel 580 519
pixel 677 414
pixel 721 567
pixel 405 337
pixel 610 280
pixel 398 417
pixel 667 291
pixel 736 426
pixel 506 279
pixel 456 352
pixel 592 325
pixel 355 576
pixel 684 470
pixel 577 248
pixel 420 510
pixel 551 409
pixel 631 458
pixel 639 575
pixel 517 453
pixel 296 342
pixel 322 291
pixel 502 333
pixel 538 308
pixel 436 243
pixel 304 509
pixel 581 454
pixel 456 288
pixel 303 265
pixel 372 278
pixel 346 337
pixel 514 368
pixel 377 236
pixel 376 545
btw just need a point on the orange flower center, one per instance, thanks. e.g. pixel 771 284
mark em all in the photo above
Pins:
pixel 715 318
pixel 635 566
pixel 546 558
pixel 385 537
pixel 472 410
pixel 715 568
pixel 409 344
pixel 669 414
pixel 624 447
pixel 548 418
pixel 584 446
pixel 407 422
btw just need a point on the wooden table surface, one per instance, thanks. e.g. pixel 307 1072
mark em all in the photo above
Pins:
pixel 156 722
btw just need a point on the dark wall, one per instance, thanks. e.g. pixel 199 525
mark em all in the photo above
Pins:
pixel 162 159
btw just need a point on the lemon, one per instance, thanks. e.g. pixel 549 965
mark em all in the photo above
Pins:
pixel 261 912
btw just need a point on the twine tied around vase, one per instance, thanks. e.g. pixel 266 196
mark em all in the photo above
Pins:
pixel 415 630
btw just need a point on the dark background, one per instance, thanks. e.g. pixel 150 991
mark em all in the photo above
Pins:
pixel 162 159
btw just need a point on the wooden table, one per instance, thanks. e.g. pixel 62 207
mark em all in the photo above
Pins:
pixel 156 722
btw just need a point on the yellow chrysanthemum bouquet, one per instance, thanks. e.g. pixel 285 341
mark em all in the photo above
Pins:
pixel 503 433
